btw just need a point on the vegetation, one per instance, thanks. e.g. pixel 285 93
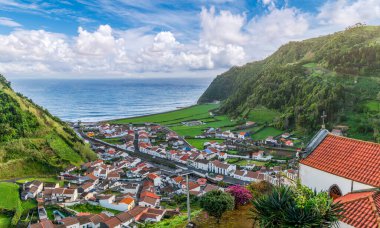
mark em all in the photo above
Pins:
pixel 338 74
pixel 174 222
pixel 241 195
pixel 295 207
pixel 265 132
pixel 94 209
pixel 177 116
pixel 10 202
pixel 198 143
pixel 32 141
pixel 259 189
pixel 216 202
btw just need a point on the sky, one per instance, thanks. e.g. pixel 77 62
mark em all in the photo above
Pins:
pixel 160 38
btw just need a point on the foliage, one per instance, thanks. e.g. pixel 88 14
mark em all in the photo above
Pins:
pixel 32 141
pixel 241 195
pixel 216 202
pixel 94 209
pixel 334 73
pixel 258 189
pixel 295 206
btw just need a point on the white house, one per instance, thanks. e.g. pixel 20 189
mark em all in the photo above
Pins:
pixel 221 168
pixel 201 164
pixel 340 165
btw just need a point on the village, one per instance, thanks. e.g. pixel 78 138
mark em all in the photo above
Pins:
pixel 141 168
pixel 145 171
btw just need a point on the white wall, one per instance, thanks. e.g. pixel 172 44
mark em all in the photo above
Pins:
pixel 322 181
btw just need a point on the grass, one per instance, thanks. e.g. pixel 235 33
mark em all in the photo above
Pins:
pixel 262 115
pixel 268 131
pixel 113 140
pixel 176 116
pixel 5 221
pixel 235 218
pixel 234 152
pixel 179 221
pixel 9 196
pixel 219 122
pixel 373 106
pixel 42 179
pixel 63 150
pixel 244 162
pixel 94 209
pixel 198 143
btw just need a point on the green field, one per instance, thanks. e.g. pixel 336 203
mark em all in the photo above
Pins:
pixel 218 122
pixel 9 196
pixel 268 131
pixel 113 140
pixel 262 115
pixel 94 209
pixel 191 113
pixel 244 162
pixel 5 221
pixel 42 179
pixel 198 143
pixel 373 106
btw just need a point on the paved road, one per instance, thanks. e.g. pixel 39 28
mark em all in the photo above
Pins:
pixel 161 161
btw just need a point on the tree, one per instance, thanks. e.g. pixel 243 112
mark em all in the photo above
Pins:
pixel 258 189
pixel 216 202
pixel 296 206
pixel 241 194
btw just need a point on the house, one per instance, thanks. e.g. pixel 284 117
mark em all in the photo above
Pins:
pixel 289 143
pixel 31 189
pixel 148 201
pixel 108 201
pixel 249 123
pixel 156 179
pixel 243 135
pixel 64 194
pixel 131 188
pixel 209 188
pixel 201 164
pixel 271 140
pixel 360 209
pixel 113 176
pixel 239 174
pixel 70 222
pixel 340 165
pixel 43 224
pixel 222 155
pixel 286 135
pixel 222 168
pixel 337 132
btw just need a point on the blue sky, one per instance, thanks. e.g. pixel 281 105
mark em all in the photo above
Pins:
pixel 122 38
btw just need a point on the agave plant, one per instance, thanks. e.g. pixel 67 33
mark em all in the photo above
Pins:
pixel 295 207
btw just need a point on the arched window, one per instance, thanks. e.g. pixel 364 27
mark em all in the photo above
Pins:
pixel 335 192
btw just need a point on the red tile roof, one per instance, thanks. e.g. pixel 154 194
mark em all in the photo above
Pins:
pixel 350 158
pixel 361 209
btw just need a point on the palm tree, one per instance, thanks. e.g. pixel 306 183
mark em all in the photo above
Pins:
pixel 295 207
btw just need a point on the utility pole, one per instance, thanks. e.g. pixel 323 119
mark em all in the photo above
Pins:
pixel 323 120
pixel 188 199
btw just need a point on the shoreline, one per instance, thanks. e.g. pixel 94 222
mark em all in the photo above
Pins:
pixel 146 115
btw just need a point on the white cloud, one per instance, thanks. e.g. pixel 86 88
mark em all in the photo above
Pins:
pixel 224 39
pixel 8 22
pixel 346 13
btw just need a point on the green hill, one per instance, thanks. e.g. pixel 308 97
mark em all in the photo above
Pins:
pixel 32 141
pixel 337 73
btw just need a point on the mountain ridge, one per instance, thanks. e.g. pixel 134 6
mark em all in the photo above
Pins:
pixel 336 73
pixel 32 141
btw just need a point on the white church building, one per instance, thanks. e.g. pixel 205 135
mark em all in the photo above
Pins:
pixel 343 166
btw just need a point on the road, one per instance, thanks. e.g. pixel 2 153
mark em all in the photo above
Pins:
pixel 161 161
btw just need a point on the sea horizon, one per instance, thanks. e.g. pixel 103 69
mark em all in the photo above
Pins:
pixel 92 100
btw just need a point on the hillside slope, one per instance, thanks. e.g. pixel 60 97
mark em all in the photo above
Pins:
pixel 32 141
pixel 338 73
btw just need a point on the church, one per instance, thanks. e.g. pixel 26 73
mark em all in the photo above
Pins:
pixel 349 170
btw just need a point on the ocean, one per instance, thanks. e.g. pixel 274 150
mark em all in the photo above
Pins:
pixel 105 99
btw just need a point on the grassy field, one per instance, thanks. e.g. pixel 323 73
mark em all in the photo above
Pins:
pixel 244 162
pixel 218 122
pixel 198 143
pixel 373 106
pixel 174 222
pixel 240 217
pixel 5 221
pixel 9 196
pixel 113 140
pixel 262 115
pixel 92 209
pixel 176 116
pixel 268 131
pixel 42 179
